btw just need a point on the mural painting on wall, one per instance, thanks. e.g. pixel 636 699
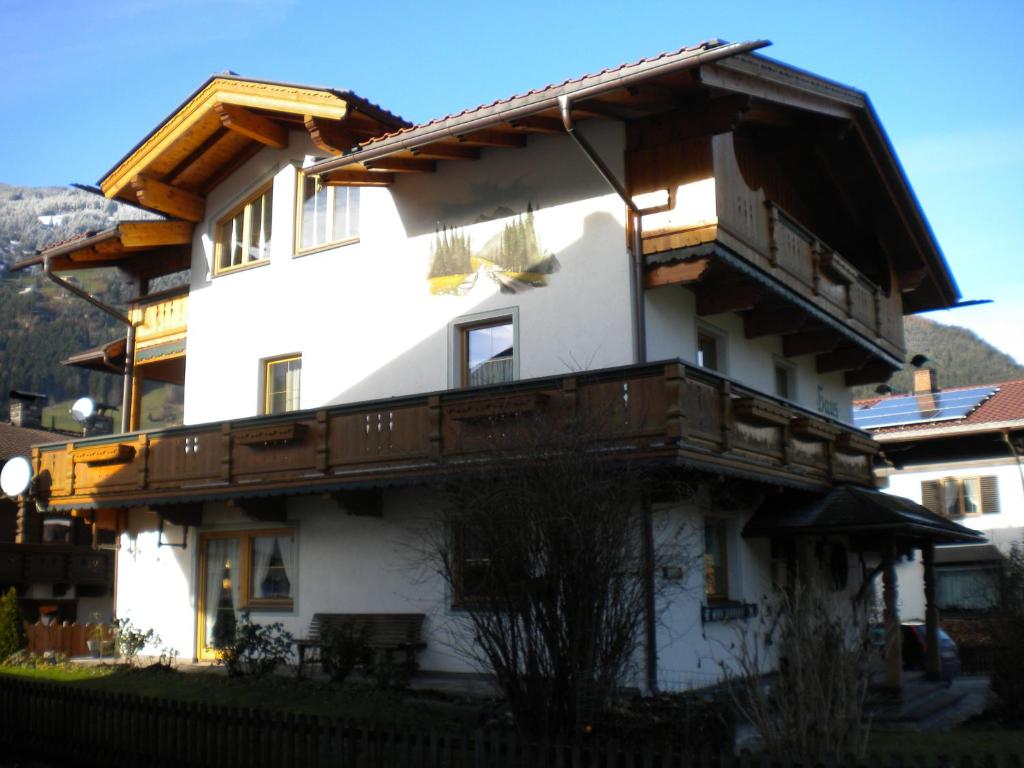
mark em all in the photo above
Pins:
pixel 512 258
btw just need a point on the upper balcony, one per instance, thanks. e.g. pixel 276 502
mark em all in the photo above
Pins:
pixel 55 564
pixel 723 234
pixel 670 413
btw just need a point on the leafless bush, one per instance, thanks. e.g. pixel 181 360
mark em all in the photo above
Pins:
pixel 1007 630
pixel 812 708
pixel 544 548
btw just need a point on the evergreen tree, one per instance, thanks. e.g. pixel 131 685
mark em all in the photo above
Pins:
pixel 12 628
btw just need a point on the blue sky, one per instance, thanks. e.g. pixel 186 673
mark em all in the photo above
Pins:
pixel 84 81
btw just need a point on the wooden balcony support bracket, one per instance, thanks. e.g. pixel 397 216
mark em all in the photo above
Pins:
pixel 328 136
pixel 810 342
pixel 776 322
pixel 225 461
pixel 676 273
pixel 167 199
pixel 872 373
pixel 268 509
pixel 360 502
pixel 718 298
pixel 252 126
pixel 675 396
pixel 846 359
pixel 323 441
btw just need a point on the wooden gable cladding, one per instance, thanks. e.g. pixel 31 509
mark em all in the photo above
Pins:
pixel 670 414
pixel 222 126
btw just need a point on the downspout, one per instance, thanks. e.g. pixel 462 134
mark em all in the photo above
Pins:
pixel 636 281
pixel 129 352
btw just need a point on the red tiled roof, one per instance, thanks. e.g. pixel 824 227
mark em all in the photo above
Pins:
pixel 18 441
pixel 536 91
pixel 1006 404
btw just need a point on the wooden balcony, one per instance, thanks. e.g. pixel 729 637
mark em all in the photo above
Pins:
pixel 669 413
pixel 740 251
pixel 54 564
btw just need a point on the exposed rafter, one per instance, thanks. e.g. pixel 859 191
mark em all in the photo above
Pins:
pixel 253 126
pixel 494 139
pixel 846 359
pixel 446 152
pixel 329 136
pixel 678 273
pixel 810 342
pixel 714 299
pixel 538 124
pixel 346 177
pixel 402 165
pixel 773 322
pixel 167 199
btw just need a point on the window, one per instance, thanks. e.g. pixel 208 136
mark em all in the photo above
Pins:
pixel 710 349
pixel 473 569
pixel 243 236
pixel 967 588
pixel 243 570
pixel 716 560
pixel 961 496
pixel 785 380
pixel 281 384
pixel 326 214
pixel 488 353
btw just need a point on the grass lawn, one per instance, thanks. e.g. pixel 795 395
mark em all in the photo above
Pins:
pixel 967 740
pixel 277 693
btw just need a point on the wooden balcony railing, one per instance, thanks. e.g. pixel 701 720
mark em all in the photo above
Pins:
pixel 664 411
pixel 723 208
pixel 54 564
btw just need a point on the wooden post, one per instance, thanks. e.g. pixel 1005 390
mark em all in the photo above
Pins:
pixel 890 611
pixel 933 660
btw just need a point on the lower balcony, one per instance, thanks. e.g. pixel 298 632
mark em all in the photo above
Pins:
pixel 668 414
pixel 54 564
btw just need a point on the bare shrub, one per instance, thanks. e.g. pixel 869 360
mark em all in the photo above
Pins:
pixel 543 547
pixel 1007 630
pixel 812 708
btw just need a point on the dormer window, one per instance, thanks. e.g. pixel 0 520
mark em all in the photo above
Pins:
pixel 327 215
pixel 243 236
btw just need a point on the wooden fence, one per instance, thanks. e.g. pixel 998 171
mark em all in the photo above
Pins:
pixel 62 722
pixel 69 639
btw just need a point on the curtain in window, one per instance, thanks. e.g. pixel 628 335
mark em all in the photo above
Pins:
pixel 262 553
pixel 221 600
pixel 966 589
pixel 286 546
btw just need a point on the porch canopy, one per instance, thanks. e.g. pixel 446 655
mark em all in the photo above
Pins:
pixel 879 522
pixel 856 512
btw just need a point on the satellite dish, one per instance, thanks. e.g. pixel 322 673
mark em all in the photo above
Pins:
pixel 83 410
pixel 16 476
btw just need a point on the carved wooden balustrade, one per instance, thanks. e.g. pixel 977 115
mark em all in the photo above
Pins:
pixel 670 412
pixel 54 564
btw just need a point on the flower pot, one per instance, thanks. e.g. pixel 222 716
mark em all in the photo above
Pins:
pixel 94 648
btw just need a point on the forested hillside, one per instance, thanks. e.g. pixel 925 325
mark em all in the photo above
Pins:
pixel 40 325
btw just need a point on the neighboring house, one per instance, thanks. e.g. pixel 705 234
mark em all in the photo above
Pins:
pixel 367 299
pixel 958 452
pixel 49 559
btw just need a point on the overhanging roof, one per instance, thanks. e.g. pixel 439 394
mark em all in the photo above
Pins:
pixel 139 247
pixel 854 511
pixel 106 358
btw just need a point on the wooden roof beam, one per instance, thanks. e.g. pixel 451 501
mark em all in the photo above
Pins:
pixel 167 199
pixel 678 273
pixel 718 298
pixel 329 136
pixel 252 126
pixel 401 165
pixel 346 177
pixel 810 342
pixel 493 139
pixel 144 234
pixel 446 152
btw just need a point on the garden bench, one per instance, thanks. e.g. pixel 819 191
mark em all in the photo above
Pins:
pixel 382 632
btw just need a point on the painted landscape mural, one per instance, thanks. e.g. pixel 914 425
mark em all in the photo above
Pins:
pixel 512 258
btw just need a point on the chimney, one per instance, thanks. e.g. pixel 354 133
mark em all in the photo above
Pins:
pixel 27 409
pixel 926 384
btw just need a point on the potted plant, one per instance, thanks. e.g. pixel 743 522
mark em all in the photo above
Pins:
pixel 95 641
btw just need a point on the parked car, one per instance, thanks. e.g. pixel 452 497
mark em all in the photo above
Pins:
pixel 915 647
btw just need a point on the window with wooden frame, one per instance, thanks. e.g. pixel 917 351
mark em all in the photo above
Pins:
pixel 961 496
pixel 785 380
pixel 488 352
pixel 326 215
pixel 710 349
pixel 244 235
pixel 241 571
pixel 473 576
pixel 282 380
pixel 716 559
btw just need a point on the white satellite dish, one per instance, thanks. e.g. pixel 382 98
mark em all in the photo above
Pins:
pixel 83 410
pixel 16 476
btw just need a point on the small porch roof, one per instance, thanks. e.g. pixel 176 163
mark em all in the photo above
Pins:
pixel 854 511
pixel 106 358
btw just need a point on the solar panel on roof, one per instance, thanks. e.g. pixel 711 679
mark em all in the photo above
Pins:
pixel 915 409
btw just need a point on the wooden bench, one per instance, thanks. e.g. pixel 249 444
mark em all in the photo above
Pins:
pixel 382 633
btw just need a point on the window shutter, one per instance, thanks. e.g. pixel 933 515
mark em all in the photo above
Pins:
pixel 989 494
pixel 931 495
